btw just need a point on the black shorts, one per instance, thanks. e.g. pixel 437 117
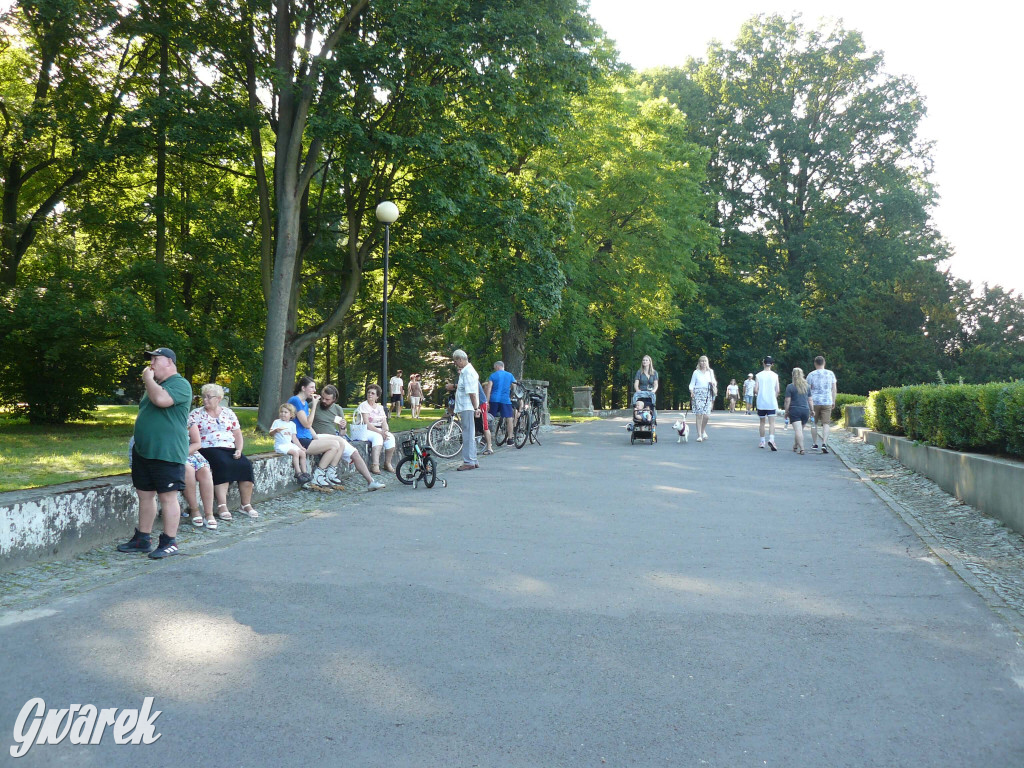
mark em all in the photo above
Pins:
pixel 305 441
pixel 762 414
pixel 157 475
pixel 396 398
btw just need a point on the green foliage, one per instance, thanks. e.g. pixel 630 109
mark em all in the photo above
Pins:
pixel 964 417
pixel 60 347
pixel 881 413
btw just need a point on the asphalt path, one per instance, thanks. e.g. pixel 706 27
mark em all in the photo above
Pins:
pixel 585 602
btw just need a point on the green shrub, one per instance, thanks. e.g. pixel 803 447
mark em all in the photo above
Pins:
pixel 965 417
pixel 880 414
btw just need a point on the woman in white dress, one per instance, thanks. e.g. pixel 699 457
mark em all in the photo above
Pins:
pixel 703 389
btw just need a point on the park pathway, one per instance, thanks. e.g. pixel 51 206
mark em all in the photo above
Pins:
pixel 581 603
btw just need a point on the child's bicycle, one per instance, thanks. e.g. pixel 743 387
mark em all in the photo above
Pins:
pixel 417 463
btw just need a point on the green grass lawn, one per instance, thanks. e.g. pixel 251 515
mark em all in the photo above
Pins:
pixel 34 456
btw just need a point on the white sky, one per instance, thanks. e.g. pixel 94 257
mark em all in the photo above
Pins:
pixel 967 66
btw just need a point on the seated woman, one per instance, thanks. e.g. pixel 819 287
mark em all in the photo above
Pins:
pixel 371 423
pixel 329 422
pixel 328 447
pixel 219 434
pixel 197 472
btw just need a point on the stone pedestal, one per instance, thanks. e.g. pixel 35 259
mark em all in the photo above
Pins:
pixel 542 387
pixel 582 401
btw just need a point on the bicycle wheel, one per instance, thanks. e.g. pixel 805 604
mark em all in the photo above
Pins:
pixel 500 431
pixel 445 438
pixel 535 427
pixel 521 429
pixel 406 470
pixel 429 472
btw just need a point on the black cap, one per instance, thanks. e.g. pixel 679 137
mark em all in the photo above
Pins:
pixel 162 352
pixel 768 360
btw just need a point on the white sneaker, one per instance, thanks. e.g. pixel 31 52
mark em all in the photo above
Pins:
pixel 320 479
pixel 705 436
pixel 700 439
pixel 375 485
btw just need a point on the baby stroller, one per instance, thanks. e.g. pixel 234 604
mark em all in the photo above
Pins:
pixel 645 419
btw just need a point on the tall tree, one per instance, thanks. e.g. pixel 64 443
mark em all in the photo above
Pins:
pixel 823 188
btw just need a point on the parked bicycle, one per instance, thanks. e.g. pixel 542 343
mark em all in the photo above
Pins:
pixel 528 418
pixel 444 436
pixel 417 464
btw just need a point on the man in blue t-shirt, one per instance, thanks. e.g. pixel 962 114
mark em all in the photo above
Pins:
pixel 501 400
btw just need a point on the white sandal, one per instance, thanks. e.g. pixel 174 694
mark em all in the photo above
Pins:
pixel 248 510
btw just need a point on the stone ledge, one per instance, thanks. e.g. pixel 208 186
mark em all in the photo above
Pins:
pixel 994 486
pixel 57 521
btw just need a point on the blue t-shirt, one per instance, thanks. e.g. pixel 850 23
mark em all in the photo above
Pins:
pixel 501 385
pixel 301 432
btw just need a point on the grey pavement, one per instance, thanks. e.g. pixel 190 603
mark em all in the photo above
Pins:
pixel 583 602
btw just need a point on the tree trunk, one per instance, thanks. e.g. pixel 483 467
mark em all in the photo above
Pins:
pixel 340 375
pixel 513 345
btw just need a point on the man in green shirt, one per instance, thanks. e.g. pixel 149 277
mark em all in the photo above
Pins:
pixel 160 452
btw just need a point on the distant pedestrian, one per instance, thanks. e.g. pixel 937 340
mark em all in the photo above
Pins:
pixel 703 390
pixel 415 394
pixel 160 453
pixel 732 393
pixel 396 386
pixel 824 388
pixel 748 392
pixel 797 408
pixel 500 397
pixel 467 405
pixel 766 392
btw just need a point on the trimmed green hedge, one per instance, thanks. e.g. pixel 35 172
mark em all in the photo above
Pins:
pixel 988 418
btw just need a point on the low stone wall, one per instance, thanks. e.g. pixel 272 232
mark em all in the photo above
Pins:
pixel 994 486
pixel 61 520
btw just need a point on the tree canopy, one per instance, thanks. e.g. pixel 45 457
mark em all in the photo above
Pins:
pixel 204 176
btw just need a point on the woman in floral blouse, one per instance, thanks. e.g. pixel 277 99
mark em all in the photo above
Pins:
pixel 220 438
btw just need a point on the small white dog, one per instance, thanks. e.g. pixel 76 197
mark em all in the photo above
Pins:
pixel 680 427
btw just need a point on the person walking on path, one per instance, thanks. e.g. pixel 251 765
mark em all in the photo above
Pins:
pixel 823 396
pixel 645 381
pixel 160 453
pixel 500 397
pixel 797 408
pixel 415 394
pixel 703 389
pixel 748 392
pixel 732 392
pixel 396 386
pixel 467 405
pixel 766 391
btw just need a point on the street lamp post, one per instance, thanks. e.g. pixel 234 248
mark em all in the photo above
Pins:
pixel 387 214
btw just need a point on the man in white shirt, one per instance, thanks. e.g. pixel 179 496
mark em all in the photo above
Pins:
pixel 396 388
pixel 467 405
pixel 766 390
pixel 748 392
pixel 823 389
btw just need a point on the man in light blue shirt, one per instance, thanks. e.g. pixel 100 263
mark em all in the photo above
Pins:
pixel 501 397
